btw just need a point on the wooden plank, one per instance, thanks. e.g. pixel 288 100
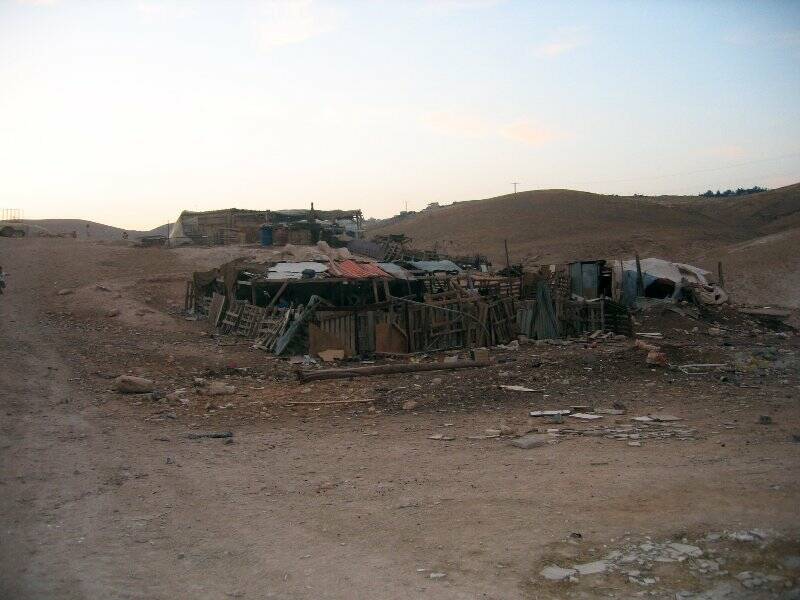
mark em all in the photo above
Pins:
pixel 320 340
pixel 390 338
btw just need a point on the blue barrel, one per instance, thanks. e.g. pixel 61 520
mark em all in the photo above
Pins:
pixel 266 236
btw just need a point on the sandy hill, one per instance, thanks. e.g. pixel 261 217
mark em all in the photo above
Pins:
pixel 97 231
pixel 558 225
pixel 567 224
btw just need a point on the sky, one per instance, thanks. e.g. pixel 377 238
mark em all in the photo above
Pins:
pixel 128 111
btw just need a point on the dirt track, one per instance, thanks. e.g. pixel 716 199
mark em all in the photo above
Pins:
pixel 101 497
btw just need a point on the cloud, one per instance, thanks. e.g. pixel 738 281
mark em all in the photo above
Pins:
pixel 451 6
pixel 528 133
pixel 284 22
pixel 163 9
pixel 562 42
pixel 731 151
pixel 457 124
pixel 469 125
pixel 37 2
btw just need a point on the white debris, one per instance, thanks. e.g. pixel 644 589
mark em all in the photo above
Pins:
pixel 519 388
pixel 687 549
pixel 592 568
pixel 586 416
pixel 555 573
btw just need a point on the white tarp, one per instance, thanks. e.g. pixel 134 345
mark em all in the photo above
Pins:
pixel 658 268
pixel 680 274
pixel 294 270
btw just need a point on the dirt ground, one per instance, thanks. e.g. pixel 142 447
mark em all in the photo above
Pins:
pixel 104 495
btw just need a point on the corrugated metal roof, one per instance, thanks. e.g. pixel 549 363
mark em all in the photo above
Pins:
pixel 355 270
pixel 396 271
pixel 433 266
pixel 294 270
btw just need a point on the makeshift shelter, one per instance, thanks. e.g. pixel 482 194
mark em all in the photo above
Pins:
pixel 217 227
pixel 662 279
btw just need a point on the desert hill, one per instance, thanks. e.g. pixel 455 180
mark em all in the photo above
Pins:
pixel 97 231
pixel 568 225
pixel 757 235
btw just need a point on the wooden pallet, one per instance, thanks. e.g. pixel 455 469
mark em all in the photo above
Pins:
pixel 231 320
pixel 249 320
pixel 215 310
pixel 271 327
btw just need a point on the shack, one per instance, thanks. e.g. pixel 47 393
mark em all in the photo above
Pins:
pixel 305 227
pixel 217 227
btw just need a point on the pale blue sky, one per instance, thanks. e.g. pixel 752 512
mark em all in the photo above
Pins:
pixel 128 111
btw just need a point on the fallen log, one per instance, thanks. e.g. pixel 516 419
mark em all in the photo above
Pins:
pixel 388 369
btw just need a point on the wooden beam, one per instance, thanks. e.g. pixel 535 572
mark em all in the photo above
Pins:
pixel 388 369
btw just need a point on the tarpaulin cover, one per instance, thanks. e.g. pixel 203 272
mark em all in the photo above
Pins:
pixel 433 266
pixel 294 270
pixel 395 271
pixel 657 268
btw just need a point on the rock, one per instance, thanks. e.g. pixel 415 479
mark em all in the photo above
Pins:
pixel 634 444
pixel 791 562
pixel 657 359
pixel 686 549
pixel 532 440
pixel 114 312
pixel 65 292
pixel 129 384
pixel 592 568
pixel 664 418
pixel 217 388
pixel 437 575
pixel 764 420
pixel 441 436
pixel 176 396
pixel 436 381
pixel 410 405
pixel 405 502
pixel 714 331
pixel 555 573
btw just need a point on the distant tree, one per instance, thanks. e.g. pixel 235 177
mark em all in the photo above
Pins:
pixel 738 192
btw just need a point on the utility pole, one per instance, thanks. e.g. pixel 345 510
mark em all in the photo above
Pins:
pixel 515 184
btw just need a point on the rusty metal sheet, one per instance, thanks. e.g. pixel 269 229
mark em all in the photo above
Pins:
pixel 356 270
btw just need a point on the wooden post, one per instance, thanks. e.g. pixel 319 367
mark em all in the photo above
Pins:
pixel 720 276
pixel 508 262
pixel 603 314
pixel 276 297
pixel 639 278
